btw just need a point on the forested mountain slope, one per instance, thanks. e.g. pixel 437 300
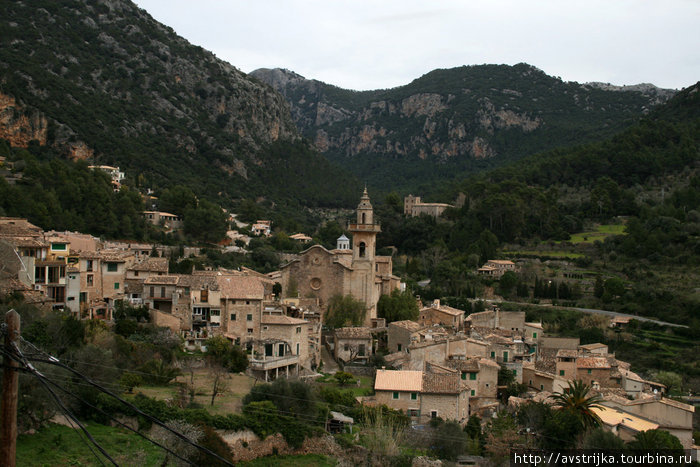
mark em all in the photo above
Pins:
pixel 104 81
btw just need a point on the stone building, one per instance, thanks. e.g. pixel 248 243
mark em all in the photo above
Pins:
pixel 423 395
pixel 414 207
pixel 357 271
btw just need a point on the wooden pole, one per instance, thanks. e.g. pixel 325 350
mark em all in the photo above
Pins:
pixel 10 392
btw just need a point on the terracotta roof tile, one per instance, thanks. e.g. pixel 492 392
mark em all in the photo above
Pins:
pixel 398 380
pixel 241 287
pixel 151 265
pixel 441 383
pixel 407 324
pixel 353 333
pixel 592 362
pixel 282 319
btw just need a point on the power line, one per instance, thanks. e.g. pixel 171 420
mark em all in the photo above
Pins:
pixel 124 425
pixel 56 362
pixel 21 359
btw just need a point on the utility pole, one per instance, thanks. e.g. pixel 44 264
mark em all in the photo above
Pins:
pixel 10 392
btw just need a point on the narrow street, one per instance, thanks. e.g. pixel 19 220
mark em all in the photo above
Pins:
pixel 329 365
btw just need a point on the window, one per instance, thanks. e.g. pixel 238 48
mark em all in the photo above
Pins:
pixel 297 348
pixel 88 267
pixel 414 396
pixel 153 291
pixel 413 413
pixel 204 295
pixel 58 246
pixel 472 376
pixel 250 330
pixel 112 267
pixel 534 335
pixel 298 329
pixel 249 317
pixel 505 356
pixel 589 371
pixel 280 350
pixel 90 279
pixel 233 316
pixel 493 354
pixel 433 414
pixel 265 328
pixel 346 347
pixel 216 312
pixel 361 351
pixel 561 372
pixel 395 395
pixel 162 291
pixel 136 274
pixel 116 286
pixel 541 387
pixel 464 375
pixel 362 249
pixel 398 347
pixel 472 392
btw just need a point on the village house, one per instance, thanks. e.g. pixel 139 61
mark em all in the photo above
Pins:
pixel 262 227
pixel 401 334
pixel 138 272
pixel 164 219
pixel 423 395
pixel 670 415
pixel 496 267
pixel 414 207
pixel 443 315
pixel 481 376
pixel 283 347
pixel 352 344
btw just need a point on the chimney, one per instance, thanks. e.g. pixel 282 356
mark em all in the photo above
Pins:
pixel 436 303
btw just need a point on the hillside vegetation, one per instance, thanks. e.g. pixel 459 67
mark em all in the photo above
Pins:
pixel 104 81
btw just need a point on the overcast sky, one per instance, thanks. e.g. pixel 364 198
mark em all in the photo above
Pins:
pixel 372 44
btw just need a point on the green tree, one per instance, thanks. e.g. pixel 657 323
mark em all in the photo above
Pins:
pixel 398 306
pixel 652 440
pixel 672 381
pixel 449 441
pixel 344 310
pixel 206 222
pixel 576 400
pixel 222 352
pixel 601 439
pixel 343 377
pixel 508 280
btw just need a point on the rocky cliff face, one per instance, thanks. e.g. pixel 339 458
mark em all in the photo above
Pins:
pixel 458 116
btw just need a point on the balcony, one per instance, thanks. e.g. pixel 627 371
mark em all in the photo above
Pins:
pixel 364 228
pixel 270 363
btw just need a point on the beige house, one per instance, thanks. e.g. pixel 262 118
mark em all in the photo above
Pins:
pixel 670 415
pixel 282 348
pixel 423 395
pixel 481 375
pixel 414 207
pixel 352 344
pixel 165 219
pixel 401 334
pixel 443 315
pixel 496 267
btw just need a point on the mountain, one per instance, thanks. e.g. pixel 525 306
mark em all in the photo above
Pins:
pixel 454 121
pixel 103 81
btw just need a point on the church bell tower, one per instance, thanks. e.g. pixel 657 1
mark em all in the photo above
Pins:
pixel 364 232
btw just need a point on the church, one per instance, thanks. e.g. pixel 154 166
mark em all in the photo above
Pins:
pixel 320 273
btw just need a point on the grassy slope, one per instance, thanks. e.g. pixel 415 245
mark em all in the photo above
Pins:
pixel 56 445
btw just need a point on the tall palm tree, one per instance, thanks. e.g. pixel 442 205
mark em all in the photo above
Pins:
pixel 576 400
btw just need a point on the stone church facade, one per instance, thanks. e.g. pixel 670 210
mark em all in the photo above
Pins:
pixel 356 270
